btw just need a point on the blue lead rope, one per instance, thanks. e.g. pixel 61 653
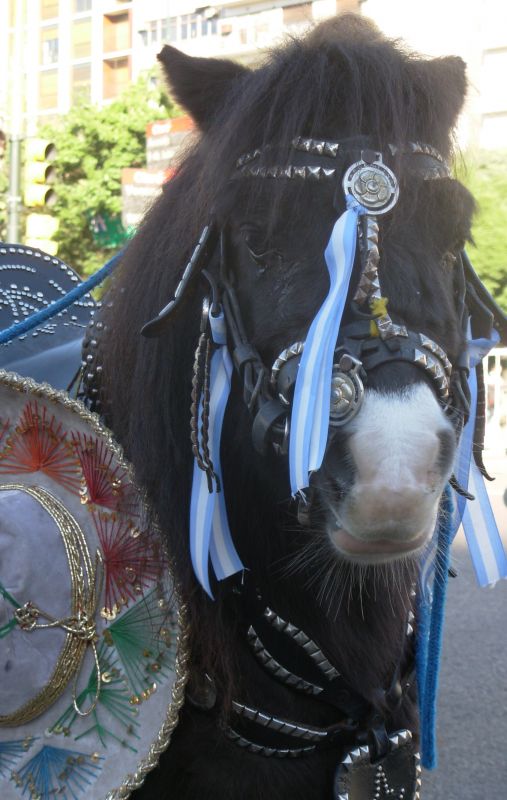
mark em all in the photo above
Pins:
pixel 486 551
pixel 34 320
pixel 430 625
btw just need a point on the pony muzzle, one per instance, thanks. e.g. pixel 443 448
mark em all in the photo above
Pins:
pixel 395 449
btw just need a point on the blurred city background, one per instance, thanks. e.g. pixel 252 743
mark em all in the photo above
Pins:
pixel 88 136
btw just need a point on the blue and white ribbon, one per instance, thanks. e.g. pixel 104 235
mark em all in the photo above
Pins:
pixel 481 531
pixel 312 393
pixel 210 535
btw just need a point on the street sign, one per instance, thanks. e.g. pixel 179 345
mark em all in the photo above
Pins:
pixel 139 188
pixel 107 230
pixel 163 138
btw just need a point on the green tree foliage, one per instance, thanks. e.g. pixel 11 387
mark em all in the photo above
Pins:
pixel 93 145
pixel 486 177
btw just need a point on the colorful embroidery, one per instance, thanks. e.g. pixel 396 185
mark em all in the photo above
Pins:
pixel 10 752
pixel 57 772
pixel 114 699
pixel 39 444
pixel 140 637
pixel 132 561
pixel 4 427
pixel 104 483
pixel 11 624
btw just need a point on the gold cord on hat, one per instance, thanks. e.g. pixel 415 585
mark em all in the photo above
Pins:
pixel 86 587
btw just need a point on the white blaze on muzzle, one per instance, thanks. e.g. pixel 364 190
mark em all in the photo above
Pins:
pixel 395 445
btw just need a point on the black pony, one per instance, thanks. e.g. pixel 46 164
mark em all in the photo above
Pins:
pixel 343 569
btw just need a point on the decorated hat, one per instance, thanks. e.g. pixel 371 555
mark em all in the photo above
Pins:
pixel 92 651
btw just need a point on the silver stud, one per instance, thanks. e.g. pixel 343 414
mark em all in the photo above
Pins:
pixel 420 358
pixel 331 149
pixel 314 173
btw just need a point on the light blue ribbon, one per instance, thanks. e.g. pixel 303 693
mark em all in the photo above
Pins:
pixel 481 531
pixel 210 535
pixel 312 393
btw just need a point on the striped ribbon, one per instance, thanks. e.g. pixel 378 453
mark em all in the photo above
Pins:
pixel 486 551
pixel 210 535
pixel 481 531
pixel 312 393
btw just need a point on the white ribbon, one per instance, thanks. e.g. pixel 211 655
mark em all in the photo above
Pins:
pixel 210 534
pixel 312 393
pixel 481 531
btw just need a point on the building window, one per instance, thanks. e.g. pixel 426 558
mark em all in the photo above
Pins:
pixel 81 38
pixel 82 5
pixel 170 29
pixel 81 82
pixel 209 27
pixel 49 46
pixel 48 89
pixel 48 9
pixel 116 32
pixel 116 76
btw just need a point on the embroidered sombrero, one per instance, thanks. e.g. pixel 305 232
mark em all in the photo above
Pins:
pixel 92 648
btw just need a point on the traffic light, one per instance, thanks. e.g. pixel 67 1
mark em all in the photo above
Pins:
pixel 39 193
pixel 40 173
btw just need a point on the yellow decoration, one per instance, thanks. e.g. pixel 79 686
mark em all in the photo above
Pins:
pixel 378 306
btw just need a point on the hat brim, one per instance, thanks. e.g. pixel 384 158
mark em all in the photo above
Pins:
pixel 109 752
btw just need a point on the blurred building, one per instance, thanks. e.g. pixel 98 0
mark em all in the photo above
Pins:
pixel 71 48
pixel 475 31
pixel 229 28
pixel 95 48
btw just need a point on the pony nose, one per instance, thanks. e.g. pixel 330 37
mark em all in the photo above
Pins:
pixel 402 449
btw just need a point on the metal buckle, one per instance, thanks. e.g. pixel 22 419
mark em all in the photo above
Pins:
pixel 347 390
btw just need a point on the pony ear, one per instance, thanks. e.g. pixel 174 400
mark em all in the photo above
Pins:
pixel 443 82
pixel 200 85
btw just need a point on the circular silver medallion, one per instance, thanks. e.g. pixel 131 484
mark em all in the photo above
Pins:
pixel 373 185
pixel 347 391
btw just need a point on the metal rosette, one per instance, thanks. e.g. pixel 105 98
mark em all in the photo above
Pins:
pixel 397 775
pixel 93 647
pixel 372 184
pixel 347 390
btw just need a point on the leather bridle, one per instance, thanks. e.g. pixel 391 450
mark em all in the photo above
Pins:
pixel 370 338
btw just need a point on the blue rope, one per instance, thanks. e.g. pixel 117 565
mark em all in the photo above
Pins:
pixel 34 320
pixel 430 634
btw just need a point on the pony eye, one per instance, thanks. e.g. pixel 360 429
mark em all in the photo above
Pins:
pixel 268 260
pixel 261 254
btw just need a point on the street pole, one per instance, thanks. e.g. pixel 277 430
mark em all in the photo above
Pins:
pixel 14 195
pixel 16 128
